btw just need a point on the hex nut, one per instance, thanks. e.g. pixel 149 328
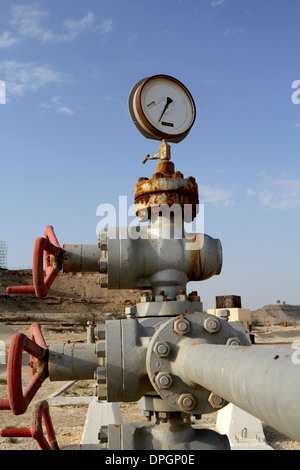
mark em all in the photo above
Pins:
pixel 100 349
pixel 211 325
pixel 161 349
pixel 101 392
pixel 103 266
pixel 163 380
pixel 233 342
pixel 100 375
pixel 181 297
pixel 216 401
pixel 186 401
pixel 182 326
pixel 100 331
pixel 103 435
pixel 103 280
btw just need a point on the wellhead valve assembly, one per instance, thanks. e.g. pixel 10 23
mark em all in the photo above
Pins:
pixel 171 357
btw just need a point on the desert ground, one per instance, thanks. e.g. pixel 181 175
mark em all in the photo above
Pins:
pixel 73 300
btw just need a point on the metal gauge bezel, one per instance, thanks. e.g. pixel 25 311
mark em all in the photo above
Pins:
pixel 146 125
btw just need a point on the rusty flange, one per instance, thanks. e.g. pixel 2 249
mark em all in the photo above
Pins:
pixel 167 187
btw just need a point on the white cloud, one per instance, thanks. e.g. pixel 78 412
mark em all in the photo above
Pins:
pixel 216 196
pixel 21 77
pixel 28 21
pixel 281 195
pixel 65 110
pixel 57 105
pixel 7 39
pixel 216 3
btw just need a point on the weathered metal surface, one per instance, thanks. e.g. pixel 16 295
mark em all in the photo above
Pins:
pixel 183 395
pixel 72 361
pixel 81 258
pixel 166 188
pixel 228 301
pixel 264 382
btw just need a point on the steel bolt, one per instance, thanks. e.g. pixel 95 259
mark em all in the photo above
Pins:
pixel 130 312
pixel 161 349
pixel 164 380
pixel 211 324
pixel 100 375
pixel 233 342
pixel 186 401
pixel 182 326
pixel 103 435
pixel 100 349
pixel 100 331
pixel 216 401
pixel 103 280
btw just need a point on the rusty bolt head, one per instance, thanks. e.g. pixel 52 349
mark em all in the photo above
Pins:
pixel 216 401
pixel 182 326
pixel 164 380
pixel 211 324
pixel 233 342
pixel 181 297
pixel 161 349
pixel 186 401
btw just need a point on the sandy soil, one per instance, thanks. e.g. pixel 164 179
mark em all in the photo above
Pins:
pixel 69 421
pixel 73 300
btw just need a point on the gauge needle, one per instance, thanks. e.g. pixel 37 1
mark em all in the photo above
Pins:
pixel 169 101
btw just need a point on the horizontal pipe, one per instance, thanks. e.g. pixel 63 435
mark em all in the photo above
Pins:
pixel 81 258
pixel 264 382
pixel 72 361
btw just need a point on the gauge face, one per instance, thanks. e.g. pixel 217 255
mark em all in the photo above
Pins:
pixel 161 107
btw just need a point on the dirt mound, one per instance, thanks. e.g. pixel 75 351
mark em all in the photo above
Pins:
pixel 77 294
pixel 276 314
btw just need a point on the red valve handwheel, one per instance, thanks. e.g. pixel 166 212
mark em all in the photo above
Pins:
pixel 40 413
pixel 43 248
pixel 18 399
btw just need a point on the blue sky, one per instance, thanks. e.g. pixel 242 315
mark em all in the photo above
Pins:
pixel 67 143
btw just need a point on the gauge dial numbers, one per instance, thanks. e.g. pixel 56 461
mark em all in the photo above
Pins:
pixel 161 107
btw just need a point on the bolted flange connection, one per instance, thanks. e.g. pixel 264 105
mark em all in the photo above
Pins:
pixel 187 401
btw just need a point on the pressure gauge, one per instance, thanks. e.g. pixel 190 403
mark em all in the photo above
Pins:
pixel 161 107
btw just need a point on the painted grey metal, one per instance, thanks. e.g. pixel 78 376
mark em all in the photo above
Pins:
pixel 72 361
pixel 265 382
pixel 160 264
pixel 185 396
pixel 173 433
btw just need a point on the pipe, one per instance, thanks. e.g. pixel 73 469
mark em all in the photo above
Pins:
pixel 263 382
